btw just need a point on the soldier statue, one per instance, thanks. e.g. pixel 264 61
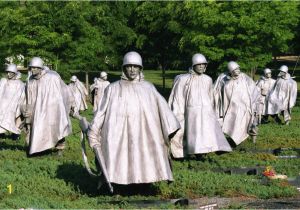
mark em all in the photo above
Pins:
pixel 132 128
pixel 283 96
pixel 46 109
pixel 191 100
pixel 265 85
pixel 80 93
pixel 98 89
pixel 238 95
pixel 12 94
pixel 93 89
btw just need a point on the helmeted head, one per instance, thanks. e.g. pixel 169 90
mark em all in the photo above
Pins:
pixel 12 71
pixel 234 69
pixel 132 58
pixel 12 68
pixel 36 65
pixel 283 71
pixel 284 68
pixel 267 70
pixel 132 65
pixel 36 62
pixel 103 75
pixel 267 73
pixel 73 78
pixel 199 63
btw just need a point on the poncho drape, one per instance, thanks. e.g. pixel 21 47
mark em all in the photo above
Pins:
pixel 12 97
pixel 239 101
pixel 265 86
pixel 283 96
pixel 99 91
pixel 80 94
pixel 191 100
pixel 48 96
pixel 132 127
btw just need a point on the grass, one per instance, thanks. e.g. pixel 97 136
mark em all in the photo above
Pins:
pixel 49 181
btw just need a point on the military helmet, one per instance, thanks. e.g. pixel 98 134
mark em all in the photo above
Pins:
pixel 73 78
pixel 267 70
pixel 198 59
pixel 12 68
pixel 132 58
pixel 103 74
pixel 232 66
pixel 36 62
pixel 284 68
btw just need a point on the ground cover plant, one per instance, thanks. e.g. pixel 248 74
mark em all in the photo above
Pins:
pixel 50 181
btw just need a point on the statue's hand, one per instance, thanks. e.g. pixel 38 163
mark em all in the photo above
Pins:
pixel 84 124
pixel 27 112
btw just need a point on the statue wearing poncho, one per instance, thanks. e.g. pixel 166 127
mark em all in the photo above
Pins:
pixel 132 128
pixel 239 95
pixel 265 85
pixel 191 100
pixel 12 97
pixel 99 88
pixel 283 96
pixel 80 93
pixel 48 107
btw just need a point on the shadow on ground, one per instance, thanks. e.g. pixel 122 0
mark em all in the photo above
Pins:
pixel 9 144
pixel 274 204
pixel 77 175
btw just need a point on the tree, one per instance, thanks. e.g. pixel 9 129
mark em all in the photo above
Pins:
pixel 247 32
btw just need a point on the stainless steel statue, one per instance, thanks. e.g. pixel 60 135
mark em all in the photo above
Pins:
pixel 265 85
pixel 12 94
pixel 47 109
pixel 80 93
pixel 217 96
pixel 283 96
pixel 92 90
pixel 238 95
pixel 132 127
pixel 191 100
pixel 98 89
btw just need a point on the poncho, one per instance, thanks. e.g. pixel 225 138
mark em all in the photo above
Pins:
pixel 239 99
pixel 80 94
pixel 191 100
pixel 132 126
pixel 48 95
pixel 12 97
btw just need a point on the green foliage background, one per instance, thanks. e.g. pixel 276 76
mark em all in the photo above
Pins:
pixel 89 35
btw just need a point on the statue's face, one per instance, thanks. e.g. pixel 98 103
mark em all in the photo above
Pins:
pixel 236 73
pixel 268 75
pixel 10 75
pixel 132 71
pixel 104 78
pixel 282 74
pixel 35 70
pixel 199 68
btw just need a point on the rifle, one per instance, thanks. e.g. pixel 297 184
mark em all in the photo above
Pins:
pixel 98 153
